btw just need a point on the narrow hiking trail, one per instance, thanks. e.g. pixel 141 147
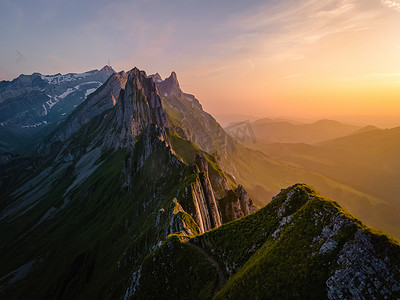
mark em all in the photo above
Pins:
pixel 221 276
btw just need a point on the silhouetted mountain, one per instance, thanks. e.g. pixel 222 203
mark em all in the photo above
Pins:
pixel 286 131
pixel 367 129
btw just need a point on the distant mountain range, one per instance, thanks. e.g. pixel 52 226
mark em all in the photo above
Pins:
pixel 287 131
pixel 30 103
pixel 140 194
pixel 365 163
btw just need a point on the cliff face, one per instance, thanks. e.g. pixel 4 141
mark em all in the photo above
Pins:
pixel 236 204
pixel 246 204
pixel 210 199
pixel 170 86
pixel 202 212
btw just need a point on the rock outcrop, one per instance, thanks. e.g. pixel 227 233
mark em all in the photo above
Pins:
pixel 246 204
pixel 236 204
pixel 212 206
pixel 170 86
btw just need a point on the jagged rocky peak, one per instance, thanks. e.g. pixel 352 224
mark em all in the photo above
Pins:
pixel 137 106
pixel 113 86
pixel 170 86
pixel 121 109
pixel 107 69
pixel 142 102
pixel 156 78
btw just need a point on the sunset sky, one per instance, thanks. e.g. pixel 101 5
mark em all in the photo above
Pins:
pixel 266 58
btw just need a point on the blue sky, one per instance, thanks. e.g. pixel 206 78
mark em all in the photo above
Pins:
pixel 67 36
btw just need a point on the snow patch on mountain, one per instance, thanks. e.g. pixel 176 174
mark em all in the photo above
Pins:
pixel 89 91
pixel 52 102
pixel 58 78
pixel 34 125
pixel 89 82
pixel 67 92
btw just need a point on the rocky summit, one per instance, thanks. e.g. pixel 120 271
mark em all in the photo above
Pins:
pixel 133 195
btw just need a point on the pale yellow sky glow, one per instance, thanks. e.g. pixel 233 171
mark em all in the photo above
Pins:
pixel 324 58
pixel 263 57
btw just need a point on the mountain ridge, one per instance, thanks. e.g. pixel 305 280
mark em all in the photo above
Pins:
pixel 287 131
pixel 120 177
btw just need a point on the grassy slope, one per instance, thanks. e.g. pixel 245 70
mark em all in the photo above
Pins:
pixel 92 254
pixel 176 270
pixel 285 268
pixel 261 267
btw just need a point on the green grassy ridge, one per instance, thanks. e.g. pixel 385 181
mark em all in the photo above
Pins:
pixel 233 243
pixel 176 270
pixel 289 266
